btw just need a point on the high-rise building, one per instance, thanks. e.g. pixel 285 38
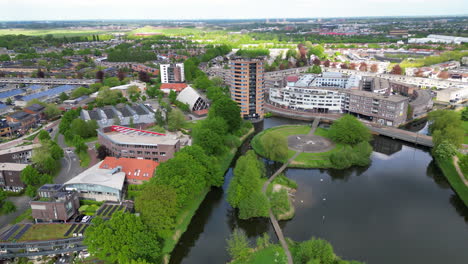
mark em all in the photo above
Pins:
pixel 247 85
pixel 172 73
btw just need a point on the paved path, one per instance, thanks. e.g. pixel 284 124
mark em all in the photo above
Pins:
pixel 460 173
pixel 314 126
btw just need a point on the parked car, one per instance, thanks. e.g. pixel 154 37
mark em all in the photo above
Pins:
pixel 85 219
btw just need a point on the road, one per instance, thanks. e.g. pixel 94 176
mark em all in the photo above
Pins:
pixel 20 140
pixel 70 168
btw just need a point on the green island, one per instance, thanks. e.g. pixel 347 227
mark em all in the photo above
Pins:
pixel 343 145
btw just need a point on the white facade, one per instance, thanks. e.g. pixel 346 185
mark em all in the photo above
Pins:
pixel 438 39
pixel 452 95
pixel 166 69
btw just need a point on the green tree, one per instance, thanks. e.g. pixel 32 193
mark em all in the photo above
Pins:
pixel 172 96
pixel 214 175
pixel 349 130
pixel 176 120
pixel 80 91
pixel 228 110
pixel 238 246
pixel 442 119
pixel 209 140
pixel 157 205
pixel 8 207
pixel 63 96
pixel 111 82
pixel 52 111
pixel 444 150
pixel 464 114
pixel 275 146
pixel 314 250
pixel 121 239
pixel 43 135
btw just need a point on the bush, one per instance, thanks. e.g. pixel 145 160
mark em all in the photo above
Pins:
pixel 315 250
pixel 256 204
pixel 280 202
pixel 349 130
pixel 444 150
pixel 8 207
pixel 238 245
pixel 285 181
pixel 463 163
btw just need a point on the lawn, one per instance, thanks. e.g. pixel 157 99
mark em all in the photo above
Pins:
pixel 21 217
pixel 452 176
pixel 85 159
pixel 46 232
pixel 271 254
pixel 465 127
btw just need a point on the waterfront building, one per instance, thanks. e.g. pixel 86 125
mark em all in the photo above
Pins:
pixel 338 93
pixel 247 85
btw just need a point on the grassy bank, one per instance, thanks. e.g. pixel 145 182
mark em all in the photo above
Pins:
pixel 272 254
pixel 278 193
pixel 186 214
pixel 448 168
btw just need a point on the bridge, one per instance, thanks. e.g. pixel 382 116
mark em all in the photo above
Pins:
pixel 392 132
pixel 47 81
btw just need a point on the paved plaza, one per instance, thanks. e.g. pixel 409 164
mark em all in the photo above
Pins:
pixel 310 143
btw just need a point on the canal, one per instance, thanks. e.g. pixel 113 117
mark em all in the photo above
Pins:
pixel 399 209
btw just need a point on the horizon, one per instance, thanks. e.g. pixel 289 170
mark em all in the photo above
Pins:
pixel 187 10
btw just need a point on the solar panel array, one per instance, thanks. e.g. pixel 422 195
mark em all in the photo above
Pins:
pixel 22 231
pixel 51 92
pixel 34 87
pixel 2 105
pixel 10 232
pixel 70 230
pixel 11 93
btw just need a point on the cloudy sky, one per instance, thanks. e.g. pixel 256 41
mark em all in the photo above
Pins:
pixel 226 9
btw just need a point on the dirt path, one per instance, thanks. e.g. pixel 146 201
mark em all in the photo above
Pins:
pixel 460 173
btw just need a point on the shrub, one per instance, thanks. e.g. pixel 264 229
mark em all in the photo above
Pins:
pixel 8 207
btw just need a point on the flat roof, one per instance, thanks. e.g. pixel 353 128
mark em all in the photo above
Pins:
pixel 392 98
pixel 98 176
pixel 137 139
pixel 12 166
pixel 18 149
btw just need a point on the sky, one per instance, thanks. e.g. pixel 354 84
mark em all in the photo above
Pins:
pixel 13 10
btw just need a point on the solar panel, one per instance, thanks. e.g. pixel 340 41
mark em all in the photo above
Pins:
pixel 2 105
pixel 22 231
pixel 70 230
pixel 113 210
pixel 34 87
pixel 99 212
pixel 78 229
pixel 10 232
pixel 107 210
pixel 51 92
pixel 109 113
pixel 11 93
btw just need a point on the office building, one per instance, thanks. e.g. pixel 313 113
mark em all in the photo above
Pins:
pixel 247 85
pixel 54 204
pixel 136 171
pixel 124 142
pixel 21 154
pixel 172 73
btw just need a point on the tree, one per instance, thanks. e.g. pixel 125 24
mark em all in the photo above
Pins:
pixel 176 120
pixel 228 110
pixel 102 152
pixel 444 150
pixel 352 66
pixel 238 246
pixel 314 249
pixel 214 176
pixel 349 130
pixel 464 114
pixel 275 146
pixel 111 82
pixel 121 239
pixel 184 174
pixel 363 67
pixel 80 91
pixel 40 73
pixel 316 62
pixel 374 68
pixel 143 76
pixel 397 70
pixel 63 96
pixel 172 96
pixel 52 111
pixel 43 135
pixel 326 63
pixel 100 76
pixel 157 205
pixel 121 75
pixel 443 75
pixel 9 101
pixel 8 207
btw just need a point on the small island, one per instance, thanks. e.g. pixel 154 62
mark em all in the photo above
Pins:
pixel 344 144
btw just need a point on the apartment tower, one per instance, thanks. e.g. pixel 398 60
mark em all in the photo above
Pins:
pixel 172 73
pixel 247 85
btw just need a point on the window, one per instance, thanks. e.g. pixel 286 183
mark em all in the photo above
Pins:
pixel 162 153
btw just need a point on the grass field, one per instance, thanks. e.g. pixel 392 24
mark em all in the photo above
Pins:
pixel 166 31
pixel 59 32
pixel 452 176
pixel 21 217
pixel 46 232
pixel 271 254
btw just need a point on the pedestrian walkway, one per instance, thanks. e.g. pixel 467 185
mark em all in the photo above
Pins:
pixel 460 173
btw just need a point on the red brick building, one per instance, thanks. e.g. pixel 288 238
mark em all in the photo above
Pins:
pixel 136 171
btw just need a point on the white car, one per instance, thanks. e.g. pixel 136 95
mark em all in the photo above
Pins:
pixel 85 219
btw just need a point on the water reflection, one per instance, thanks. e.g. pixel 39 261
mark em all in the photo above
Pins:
pixel 387 212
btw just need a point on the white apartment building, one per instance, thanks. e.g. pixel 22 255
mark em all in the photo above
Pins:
pixel 172 73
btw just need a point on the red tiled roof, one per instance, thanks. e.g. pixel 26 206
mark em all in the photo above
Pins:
pixel 135 169
pixel 292 78
pixel 174 86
